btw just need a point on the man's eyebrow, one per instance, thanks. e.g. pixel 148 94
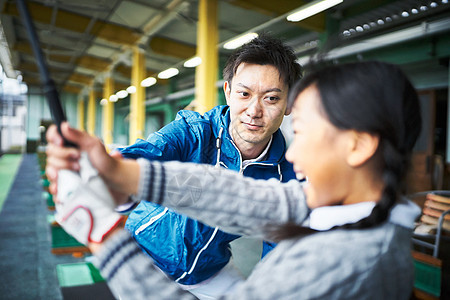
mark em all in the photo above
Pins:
pixel 266 91
pixel 273 90
pixel 244 86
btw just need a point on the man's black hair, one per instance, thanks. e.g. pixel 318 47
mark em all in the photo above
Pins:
pixel 265 50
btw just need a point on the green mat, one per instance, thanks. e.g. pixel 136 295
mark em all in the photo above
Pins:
pixel 76 274
pixel 427 278
pixel 62 242
pixel 9 163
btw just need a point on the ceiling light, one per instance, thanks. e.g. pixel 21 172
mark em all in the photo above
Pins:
pixel 359 29
pixel 239 41
pixel 405 14
pixel 444 1
pixel 372 24
pixel 131 89
pixel 122 94
pixel 346 33
pixel 388 19
pixel 103 101
pixel 193 62
pixel 414 11
pixel 311 9
pixel 433 4
pixel 166 74
pixel 423 8
pixel 380 22
pixel 149 81
pixel 113 98
pixel 366 26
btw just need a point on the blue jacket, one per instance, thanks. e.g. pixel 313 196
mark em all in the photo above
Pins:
pixel 187 250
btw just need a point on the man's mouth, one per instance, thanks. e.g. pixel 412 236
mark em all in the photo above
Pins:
pixel 252 126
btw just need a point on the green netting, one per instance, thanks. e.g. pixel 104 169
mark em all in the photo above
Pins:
pixel 76 274
pixel 427 278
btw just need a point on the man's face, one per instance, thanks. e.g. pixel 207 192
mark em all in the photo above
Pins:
pixel 257 98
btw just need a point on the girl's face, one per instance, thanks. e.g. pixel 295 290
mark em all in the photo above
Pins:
pixel 318 151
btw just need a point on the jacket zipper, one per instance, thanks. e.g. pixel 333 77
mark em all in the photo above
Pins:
pixel 198 256
pixel 150 222
pixel 241 169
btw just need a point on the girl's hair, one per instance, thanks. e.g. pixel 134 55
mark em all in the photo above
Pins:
pixel 371 97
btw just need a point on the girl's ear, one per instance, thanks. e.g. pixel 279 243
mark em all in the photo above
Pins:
pixel 363 146
pixel 288 111
pixel 227 91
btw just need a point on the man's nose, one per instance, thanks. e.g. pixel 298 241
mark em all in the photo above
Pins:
pixel 255 108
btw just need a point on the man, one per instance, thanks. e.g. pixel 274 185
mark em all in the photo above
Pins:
pixel 244 136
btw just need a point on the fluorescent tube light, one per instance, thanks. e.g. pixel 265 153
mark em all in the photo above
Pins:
pixel 131 89
pixel 113 98
pixel 103 101
pixel 149 81
pixel 122 94
pixel 312 9
pixel 166 74
pixel 239 41
pixel 193 62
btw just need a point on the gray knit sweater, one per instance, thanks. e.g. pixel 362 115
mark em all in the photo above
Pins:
pixel 373 263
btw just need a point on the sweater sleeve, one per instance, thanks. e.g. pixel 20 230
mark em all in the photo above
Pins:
pixel 131 274
pixel 219 197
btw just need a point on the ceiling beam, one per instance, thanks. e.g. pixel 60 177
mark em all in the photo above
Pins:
pixel 172 48
pixel 87 61
pixel 80 78
pixel 126 71
pixel 77 23
pixel 93 63
pixel 32 67
pixel 280 7
pixel 74 89
pixel 25 47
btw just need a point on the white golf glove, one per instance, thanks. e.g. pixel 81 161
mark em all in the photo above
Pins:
pixel 85 208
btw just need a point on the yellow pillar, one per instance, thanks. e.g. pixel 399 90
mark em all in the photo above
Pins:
pixel 137 108
pixel 206 72
pixel 91 113
pixel 81 114
pixel 108 112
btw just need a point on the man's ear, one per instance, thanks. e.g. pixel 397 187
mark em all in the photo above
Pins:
pixel 227 91
pixel 362 147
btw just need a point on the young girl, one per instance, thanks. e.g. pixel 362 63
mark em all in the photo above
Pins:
pixel 345 234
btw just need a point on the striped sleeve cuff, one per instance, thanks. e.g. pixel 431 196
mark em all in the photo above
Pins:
pixel 151 181
pixel 116 252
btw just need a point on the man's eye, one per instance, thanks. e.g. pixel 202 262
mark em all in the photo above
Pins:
pixel 243 94
pixel 273 98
